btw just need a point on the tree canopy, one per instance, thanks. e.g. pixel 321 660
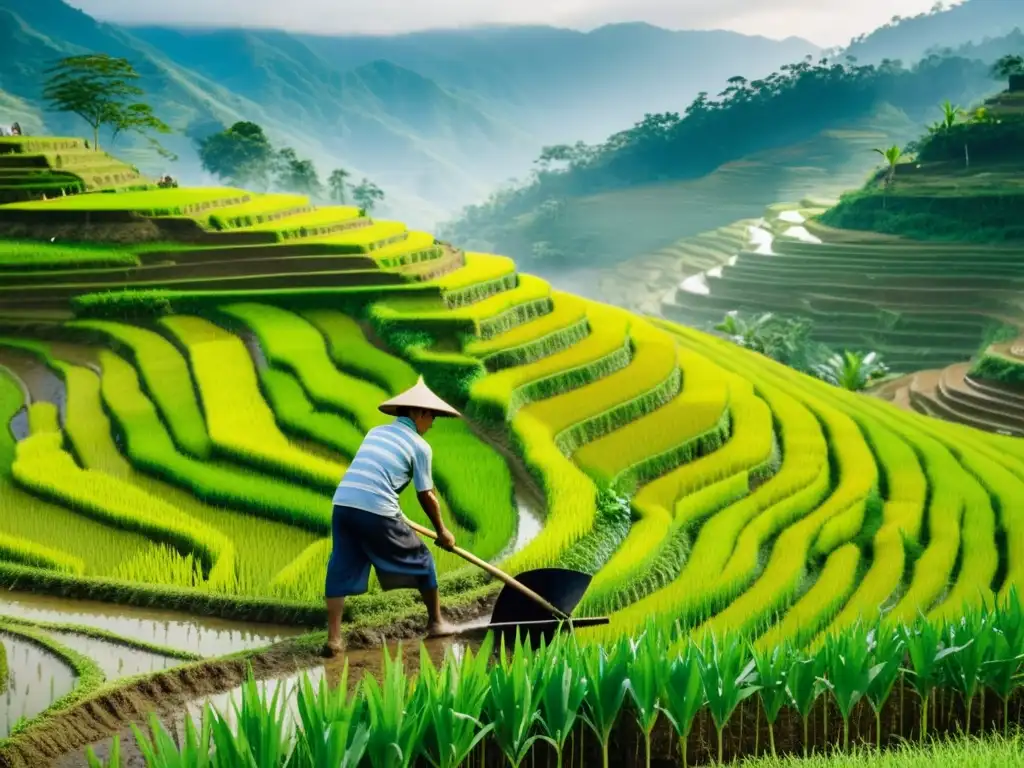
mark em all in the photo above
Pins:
pixel 793 104
pixel 101 90
pixel 244 156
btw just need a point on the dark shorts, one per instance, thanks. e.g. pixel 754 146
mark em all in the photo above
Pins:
pixel 362 539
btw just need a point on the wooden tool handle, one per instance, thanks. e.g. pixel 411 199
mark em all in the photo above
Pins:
pixel 495 572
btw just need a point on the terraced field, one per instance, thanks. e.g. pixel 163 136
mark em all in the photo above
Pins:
pixel 177 446
pixel 987 393
pixel 920 305
pixel 38 167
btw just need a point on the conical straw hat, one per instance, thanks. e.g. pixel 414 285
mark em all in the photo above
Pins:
pixel 418 396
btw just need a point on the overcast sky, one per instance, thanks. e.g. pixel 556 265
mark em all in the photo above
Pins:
pixel 825 22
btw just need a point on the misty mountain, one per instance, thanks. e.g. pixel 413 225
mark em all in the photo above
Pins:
pixel 911 38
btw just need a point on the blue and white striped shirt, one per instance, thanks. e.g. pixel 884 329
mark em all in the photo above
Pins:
pixel 389 457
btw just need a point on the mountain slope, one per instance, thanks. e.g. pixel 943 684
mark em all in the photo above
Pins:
pixel 911 38
pixel 808 130
pixel 410 135
pixel 548 81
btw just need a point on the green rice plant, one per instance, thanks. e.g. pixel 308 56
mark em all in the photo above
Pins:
pixel 284 513
pixel 728 675
pixel 31 521
pixel 804 684
pixel 43 467
pixel 260 209
pixel 398 715
pixel 902 516
pixel 927 652
pixel 417 247
pixel 176 570
pixel 165 375
pixel 531 341
pixel 772 666
pixel 607 671
pixel 848 672
pixel 303 577
pixel 148 444
pixel 498 397
pixel 472 477
pixel 688 425
pixel 463 285
pixel 156 202
pixel 581 415
pixel 798 487
pixel 353 353
pixel 160 750
pixel 260 736
pixel 511 705
pixel 973 633
pixel 240 423
pixel 301 418
pixel 1000 673
pixel 291 343
pixel 333 728
pixel 17 550
pixel 831 589
pixel 887 650
pixel 484 318
pixel 683 695
pixel 35 255
pixel 457 693
pixel 647 670
pixel 563 685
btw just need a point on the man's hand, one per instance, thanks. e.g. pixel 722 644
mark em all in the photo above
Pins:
pixel 445 539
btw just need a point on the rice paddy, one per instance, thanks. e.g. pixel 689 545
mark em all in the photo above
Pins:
pixel 183 446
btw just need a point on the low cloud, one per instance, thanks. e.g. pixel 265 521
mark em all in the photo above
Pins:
pixel 826 22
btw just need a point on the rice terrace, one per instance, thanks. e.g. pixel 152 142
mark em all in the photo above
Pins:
pixel 793 482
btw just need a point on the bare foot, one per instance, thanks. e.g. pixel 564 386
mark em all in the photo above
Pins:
pixel 440 629
pixel 330 650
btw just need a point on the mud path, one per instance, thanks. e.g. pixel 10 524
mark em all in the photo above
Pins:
pixel 276 668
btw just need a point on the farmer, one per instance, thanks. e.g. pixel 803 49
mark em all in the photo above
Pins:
pixel 367 523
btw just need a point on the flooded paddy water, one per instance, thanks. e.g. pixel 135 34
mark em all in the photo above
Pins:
pixel 205 636
pixel 36 679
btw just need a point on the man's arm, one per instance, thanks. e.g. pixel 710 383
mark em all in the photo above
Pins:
pixel 428 501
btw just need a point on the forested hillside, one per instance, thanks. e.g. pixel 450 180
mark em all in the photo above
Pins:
pixel 801 101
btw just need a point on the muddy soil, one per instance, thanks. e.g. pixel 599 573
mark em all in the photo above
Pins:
pixel 278 668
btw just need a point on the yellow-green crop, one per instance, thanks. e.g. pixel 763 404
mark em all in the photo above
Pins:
pixel 240 423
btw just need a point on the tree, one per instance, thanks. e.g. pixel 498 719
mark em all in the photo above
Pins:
pixel 338 185
pixel 892 157
pixel 97 87
pixel 367 195
pixel 241 155
pixel 1008 66
pixel 295 175
pixel 138 118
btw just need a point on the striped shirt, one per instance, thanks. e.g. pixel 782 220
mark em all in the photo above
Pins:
pixel 389 457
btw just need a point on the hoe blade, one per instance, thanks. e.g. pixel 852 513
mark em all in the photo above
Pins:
pixel 561 587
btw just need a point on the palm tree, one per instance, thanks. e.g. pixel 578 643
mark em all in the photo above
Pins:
pixel 851 370
pixel 950 114
pixel 892 156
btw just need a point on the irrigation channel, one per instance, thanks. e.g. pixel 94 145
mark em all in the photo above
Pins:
pixel 760 238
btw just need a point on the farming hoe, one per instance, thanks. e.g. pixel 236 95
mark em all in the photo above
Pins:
pixel 537 603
